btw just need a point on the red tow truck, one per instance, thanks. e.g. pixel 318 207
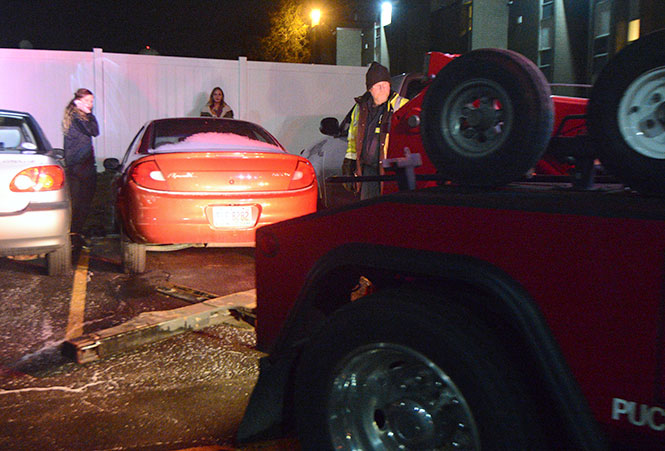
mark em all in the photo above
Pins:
pixel 487 312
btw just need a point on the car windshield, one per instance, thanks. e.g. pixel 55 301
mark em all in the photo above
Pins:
pixel 210 131
pixel 16 134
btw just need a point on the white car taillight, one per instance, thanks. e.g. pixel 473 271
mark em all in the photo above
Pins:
pixel 38 178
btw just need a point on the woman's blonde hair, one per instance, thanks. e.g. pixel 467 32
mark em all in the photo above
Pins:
pixel 71 109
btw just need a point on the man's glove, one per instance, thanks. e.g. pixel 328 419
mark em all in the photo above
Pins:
pixel 348 167
pixel 349 170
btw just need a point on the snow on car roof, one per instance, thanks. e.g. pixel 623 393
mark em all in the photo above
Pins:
pixel 215 141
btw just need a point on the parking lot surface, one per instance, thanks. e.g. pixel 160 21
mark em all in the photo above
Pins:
pixel 185 391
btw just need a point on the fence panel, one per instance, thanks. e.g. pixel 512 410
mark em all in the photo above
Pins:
pixel 41 82
pixel 139 88
pixel 287 99
pixel 291 99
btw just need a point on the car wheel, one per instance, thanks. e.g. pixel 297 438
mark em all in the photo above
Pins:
pixel 419 378
pixel 59 262
pixel 487 118
pixel 626 114
pixel 133 255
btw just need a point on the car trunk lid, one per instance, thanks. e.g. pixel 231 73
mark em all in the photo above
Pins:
pixel 227 171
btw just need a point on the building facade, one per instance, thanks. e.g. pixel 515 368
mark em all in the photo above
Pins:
pixel 570 40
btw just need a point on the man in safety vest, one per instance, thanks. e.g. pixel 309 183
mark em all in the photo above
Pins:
pixel 369 129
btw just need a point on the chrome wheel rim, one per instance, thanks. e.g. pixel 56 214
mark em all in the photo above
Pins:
pixel 388 396
pixel 641 114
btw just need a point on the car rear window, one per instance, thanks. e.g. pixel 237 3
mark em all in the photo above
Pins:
pixel 15 134
pixel 175 131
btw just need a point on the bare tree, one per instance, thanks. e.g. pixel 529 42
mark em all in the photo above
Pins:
pixel 287 40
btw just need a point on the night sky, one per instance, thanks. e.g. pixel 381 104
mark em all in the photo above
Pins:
pixel 222 29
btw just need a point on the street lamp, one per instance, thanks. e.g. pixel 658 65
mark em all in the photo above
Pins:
pixel 386 13
pixel 316 16
pixel 315 35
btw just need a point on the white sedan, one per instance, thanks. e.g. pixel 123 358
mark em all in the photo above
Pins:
pixel 35 211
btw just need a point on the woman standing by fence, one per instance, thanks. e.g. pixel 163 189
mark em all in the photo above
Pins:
pixel 79 126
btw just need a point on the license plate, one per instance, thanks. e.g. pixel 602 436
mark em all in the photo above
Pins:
pixel 232 216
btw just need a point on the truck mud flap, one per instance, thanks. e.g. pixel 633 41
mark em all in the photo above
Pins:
pixel 264 418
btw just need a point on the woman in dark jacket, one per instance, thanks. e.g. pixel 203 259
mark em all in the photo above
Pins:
pixel 79 126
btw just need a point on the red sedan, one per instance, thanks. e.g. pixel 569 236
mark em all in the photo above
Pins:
pixel 205 181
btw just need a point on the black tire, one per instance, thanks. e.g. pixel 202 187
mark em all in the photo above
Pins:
pixel 626 114
pixel 487 118
pixel 429 377
pixel 59 262
pixel 133 255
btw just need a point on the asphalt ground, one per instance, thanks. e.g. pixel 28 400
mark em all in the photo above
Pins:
pixel 206 307
pixel 187 390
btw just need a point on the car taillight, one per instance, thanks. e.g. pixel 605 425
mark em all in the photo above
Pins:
pixel 38 179
pixel 303 176
pixel 148 175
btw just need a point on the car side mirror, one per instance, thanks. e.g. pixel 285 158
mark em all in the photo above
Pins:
pixel 329 126
pixel 112 164
pixel 58 154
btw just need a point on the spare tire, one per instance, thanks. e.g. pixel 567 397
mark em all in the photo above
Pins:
pixel 487 118
pixel 626 114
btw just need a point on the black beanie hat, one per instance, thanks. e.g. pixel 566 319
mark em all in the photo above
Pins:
pixel 375 74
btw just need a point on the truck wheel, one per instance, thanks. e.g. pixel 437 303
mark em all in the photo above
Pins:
pixel 133 255
pixel 487 118
pixel 387 373
pixel 626 114
pixel 59 262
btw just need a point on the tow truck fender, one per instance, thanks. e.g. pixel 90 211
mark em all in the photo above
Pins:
pixel 502 296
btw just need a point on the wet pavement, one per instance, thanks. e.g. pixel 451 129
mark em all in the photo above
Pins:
pixel 189 390
pixel 186 391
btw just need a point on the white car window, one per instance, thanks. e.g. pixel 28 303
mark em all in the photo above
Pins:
pixel 10 137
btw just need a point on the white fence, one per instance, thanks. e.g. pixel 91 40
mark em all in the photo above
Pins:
pixel 288 100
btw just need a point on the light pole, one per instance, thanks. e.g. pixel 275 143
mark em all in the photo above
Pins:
pixel 385 19
pixel 321 39
pixel 315 15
